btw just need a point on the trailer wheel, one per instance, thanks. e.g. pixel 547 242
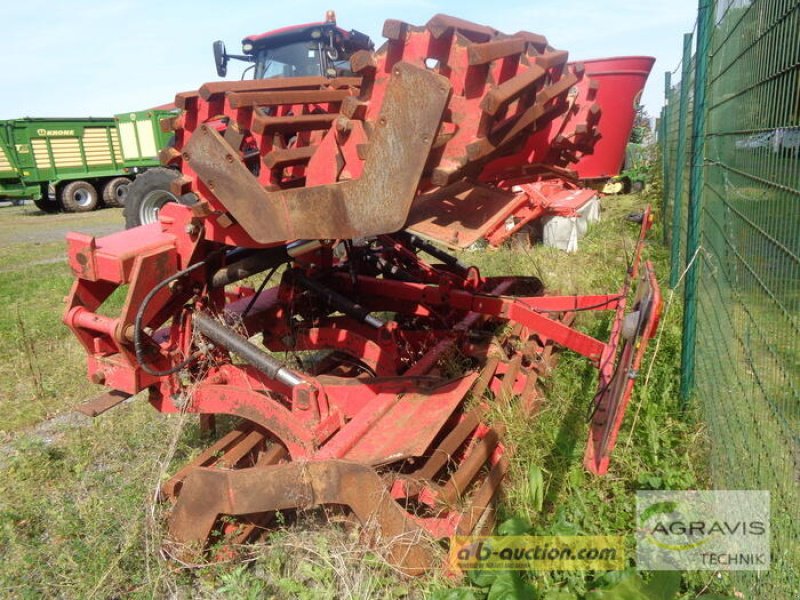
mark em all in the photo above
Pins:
pixel 48 206
pixel 147 194
pixel 78 196
pixel 115 191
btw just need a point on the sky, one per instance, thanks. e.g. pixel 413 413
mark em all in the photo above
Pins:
pixel 101 57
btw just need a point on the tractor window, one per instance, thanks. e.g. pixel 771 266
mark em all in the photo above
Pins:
pixel 342 67
pixel 300 59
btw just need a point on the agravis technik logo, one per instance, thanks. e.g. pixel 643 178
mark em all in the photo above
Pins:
pixel 702 530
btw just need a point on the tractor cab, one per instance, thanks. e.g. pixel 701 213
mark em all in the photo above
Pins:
pixel 308 50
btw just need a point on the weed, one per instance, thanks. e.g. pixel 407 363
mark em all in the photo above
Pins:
pixel 31 359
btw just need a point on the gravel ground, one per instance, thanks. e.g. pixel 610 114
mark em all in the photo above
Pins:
pixel 26 224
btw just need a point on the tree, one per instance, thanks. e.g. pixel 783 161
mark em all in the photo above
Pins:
pixel 641 126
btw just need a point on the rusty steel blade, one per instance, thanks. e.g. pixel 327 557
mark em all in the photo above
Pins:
pixel 376 203
pixel 460 219
pixel 409 424
pixel 208 493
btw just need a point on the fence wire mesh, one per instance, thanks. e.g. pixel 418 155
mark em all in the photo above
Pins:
pixel 748 301
pixel 669 151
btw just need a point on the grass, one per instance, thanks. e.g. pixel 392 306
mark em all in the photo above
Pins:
pixel 77 517
pixel 38 377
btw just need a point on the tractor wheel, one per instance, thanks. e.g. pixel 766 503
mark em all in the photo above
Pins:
pixel 147 194
pixel 115 191
pixel 47 206
pixel 78 196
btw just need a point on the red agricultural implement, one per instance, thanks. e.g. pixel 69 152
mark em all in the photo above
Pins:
pixel 397 359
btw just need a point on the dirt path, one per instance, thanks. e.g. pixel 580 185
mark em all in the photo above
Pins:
pixel 28 225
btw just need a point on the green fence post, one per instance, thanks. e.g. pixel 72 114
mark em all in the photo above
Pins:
pixel 665 155
pixel 680 153
pixel 695 198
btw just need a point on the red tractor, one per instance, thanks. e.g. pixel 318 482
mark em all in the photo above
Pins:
pixel 308 50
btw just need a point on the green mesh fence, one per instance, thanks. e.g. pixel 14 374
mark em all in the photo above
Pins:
pixel 677 153
pixel 669 151
pixel 747 349
pixel 684 99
